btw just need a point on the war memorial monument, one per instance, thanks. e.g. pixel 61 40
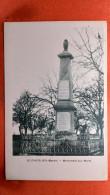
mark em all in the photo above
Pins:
pixel 64 106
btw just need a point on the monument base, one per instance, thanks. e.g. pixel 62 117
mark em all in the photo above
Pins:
pixel 65 135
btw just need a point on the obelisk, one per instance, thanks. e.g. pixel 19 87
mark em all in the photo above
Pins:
pixel 64 106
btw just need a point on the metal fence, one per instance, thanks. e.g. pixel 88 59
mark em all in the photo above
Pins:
pixel 34 145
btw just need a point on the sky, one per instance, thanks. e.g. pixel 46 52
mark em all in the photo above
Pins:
pixel 31 50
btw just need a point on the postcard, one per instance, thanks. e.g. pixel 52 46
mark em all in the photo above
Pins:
pixel 56 100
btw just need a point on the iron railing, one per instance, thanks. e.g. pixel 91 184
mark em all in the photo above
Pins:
pixel 33 145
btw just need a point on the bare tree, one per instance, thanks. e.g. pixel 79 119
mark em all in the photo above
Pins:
pixel 88 57
pixel 90 103
pixel 46 100
pixel 89 50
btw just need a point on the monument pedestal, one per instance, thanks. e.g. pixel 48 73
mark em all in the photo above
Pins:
pixel 64 106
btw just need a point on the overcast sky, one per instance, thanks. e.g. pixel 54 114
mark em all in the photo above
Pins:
pixel 31 50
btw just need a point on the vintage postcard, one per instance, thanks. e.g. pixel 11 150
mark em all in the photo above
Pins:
pixel 56 100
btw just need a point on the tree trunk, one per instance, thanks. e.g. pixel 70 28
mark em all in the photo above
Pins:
pixel 20 130
pixel 101 129
pixel 101 136
pixel 25 130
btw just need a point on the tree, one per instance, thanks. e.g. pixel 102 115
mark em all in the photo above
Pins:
pixel 48 94
pixel 41 122
pixel 88 56
pixel 89 50
pixel 46 100
pixel 91 102
pixel 33 122
pixel 23 110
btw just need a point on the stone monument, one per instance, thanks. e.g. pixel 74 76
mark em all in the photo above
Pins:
pixel 64 106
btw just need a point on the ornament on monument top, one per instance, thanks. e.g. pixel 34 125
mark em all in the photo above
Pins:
pixel 65 53
pixel 65 45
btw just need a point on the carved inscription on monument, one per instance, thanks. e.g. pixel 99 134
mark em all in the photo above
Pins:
pixel 63 92
pixel 63 121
